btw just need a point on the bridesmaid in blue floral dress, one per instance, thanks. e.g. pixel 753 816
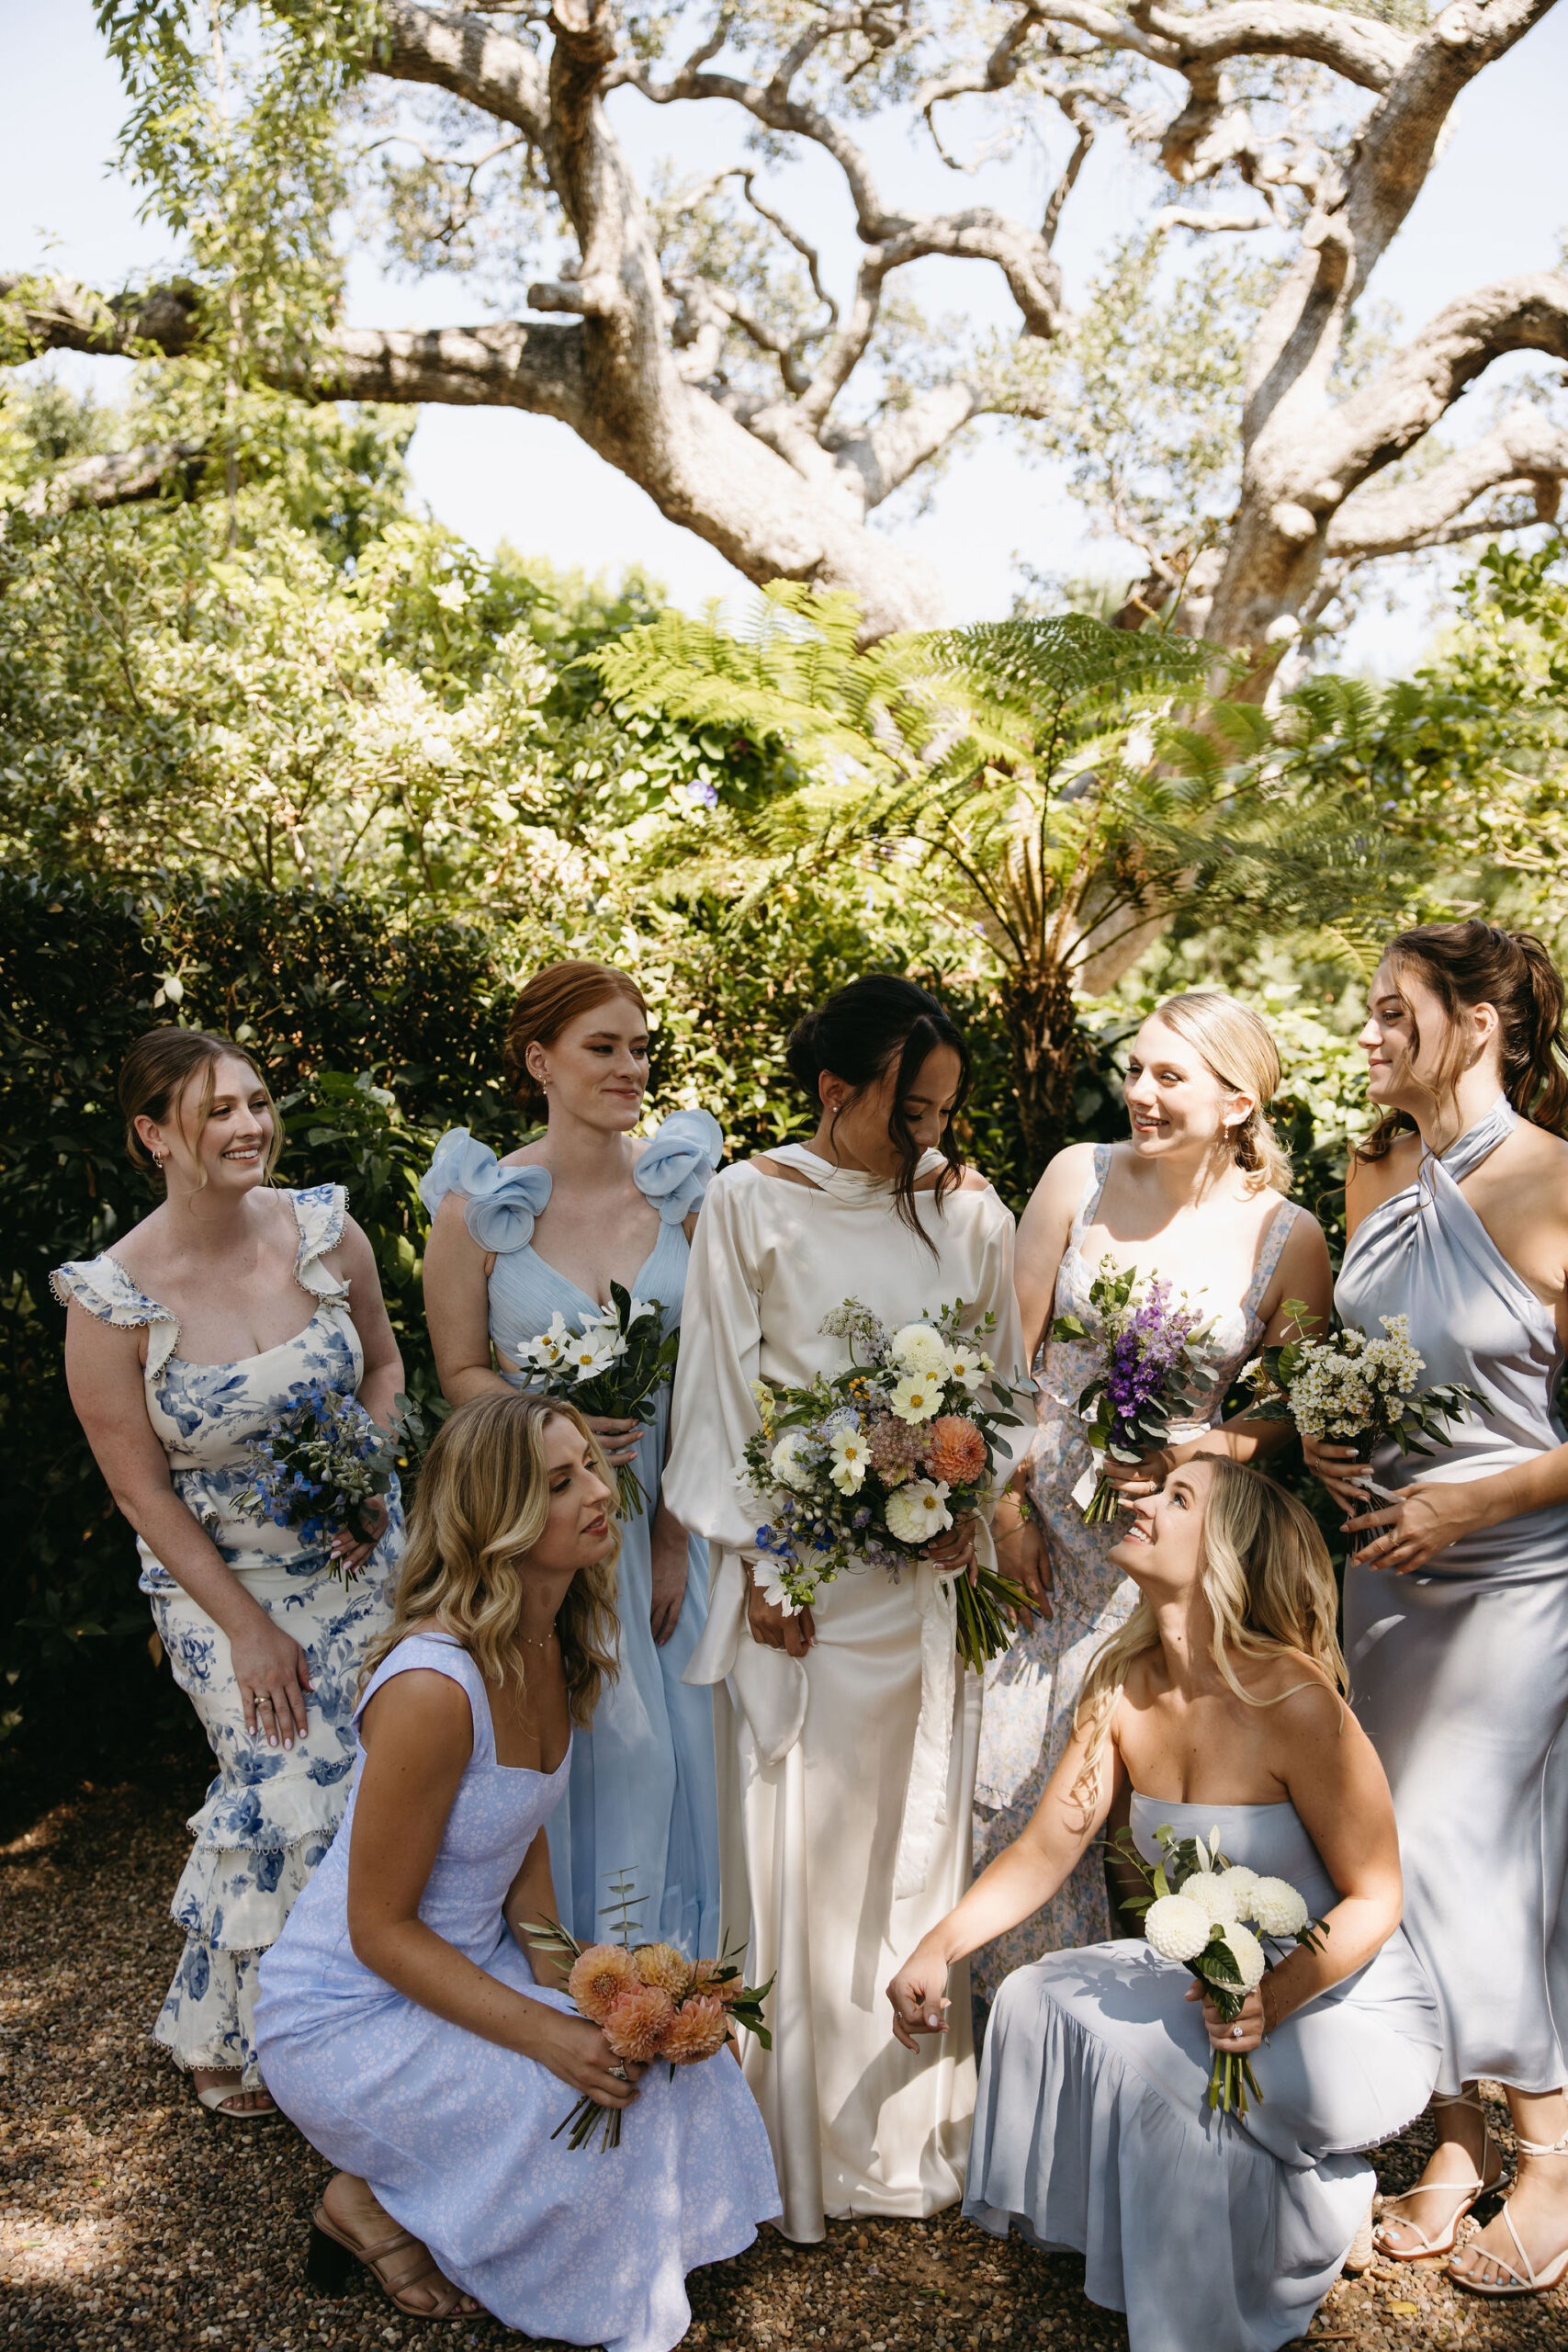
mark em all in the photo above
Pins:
pixel 515 1242
pixel 186 1343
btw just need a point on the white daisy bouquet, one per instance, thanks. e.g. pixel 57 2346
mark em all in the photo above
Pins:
pixel 1156 1362
pixel 612 1365
pixel 873 1462
pixel 1225 1925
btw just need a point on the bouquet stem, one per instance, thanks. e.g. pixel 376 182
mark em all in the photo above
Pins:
pixel 630 1499
pixel 1102 1505
pixel 984 1608
pixel 584 2119
pixel 1230 2079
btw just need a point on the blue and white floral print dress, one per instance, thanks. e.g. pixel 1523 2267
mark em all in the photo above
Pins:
pixel 271 1813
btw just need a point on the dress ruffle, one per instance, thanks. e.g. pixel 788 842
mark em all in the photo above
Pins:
pixel 501 1204
pixel 677 1164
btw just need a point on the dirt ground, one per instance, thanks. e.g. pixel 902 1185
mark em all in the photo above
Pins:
pixel 128 2220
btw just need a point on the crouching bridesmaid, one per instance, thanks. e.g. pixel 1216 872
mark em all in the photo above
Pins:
pixel 406 2023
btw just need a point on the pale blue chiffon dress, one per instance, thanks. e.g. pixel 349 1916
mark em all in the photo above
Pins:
pixel 1092 2134
pixel 453 2133
pixel 642 1799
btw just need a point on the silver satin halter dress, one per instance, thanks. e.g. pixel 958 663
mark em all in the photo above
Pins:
pixel 1459 1673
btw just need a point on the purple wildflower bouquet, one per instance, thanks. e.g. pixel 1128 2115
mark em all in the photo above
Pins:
pixel 1158 1356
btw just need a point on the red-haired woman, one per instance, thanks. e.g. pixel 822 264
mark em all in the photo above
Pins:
pixel 544 1232
pixel 183 1344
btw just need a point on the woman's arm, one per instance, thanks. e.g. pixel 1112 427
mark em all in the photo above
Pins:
pixel 104 1374
pixel 1042 1233
pixel 354 1262
pixel 419 1736
pixel 457 1306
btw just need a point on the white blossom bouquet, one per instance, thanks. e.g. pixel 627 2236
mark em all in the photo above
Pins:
pixel 1362 1390
pixel 612 1366
pixel 1225 1925
pixel 873 1462
pixel 1155 1358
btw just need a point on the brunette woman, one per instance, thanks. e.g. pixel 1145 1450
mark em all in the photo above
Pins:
pixel 541 1234
pixel 1456 1615
pixel 183 1343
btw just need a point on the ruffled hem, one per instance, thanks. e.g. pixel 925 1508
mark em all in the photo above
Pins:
pixel 206 2021
pixel 271 1815
pixel 235 1899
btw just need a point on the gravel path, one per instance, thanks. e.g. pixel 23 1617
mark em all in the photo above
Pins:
pixel 128 2220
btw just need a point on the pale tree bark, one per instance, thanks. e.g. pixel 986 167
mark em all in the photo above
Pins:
pixel 781 472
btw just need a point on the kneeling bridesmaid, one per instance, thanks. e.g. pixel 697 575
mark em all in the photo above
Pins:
pixel 406 2024
pixel 1217 1705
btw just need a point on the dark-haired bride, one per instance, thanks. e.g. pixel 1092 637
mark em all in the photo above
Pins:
pixel 847 1733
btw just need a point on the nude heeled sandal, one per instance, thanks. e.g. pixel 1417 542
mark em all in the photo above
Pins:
pixel 1467 2192
pixel 1529 2281
pixel 328 2266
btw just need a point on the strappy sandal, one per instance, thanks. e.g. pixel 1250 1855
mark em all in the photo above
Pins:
pixel 328 2266
pixel 213 2100
pixel 1426 2247
pixel 1362 2250
pixel 1529 2281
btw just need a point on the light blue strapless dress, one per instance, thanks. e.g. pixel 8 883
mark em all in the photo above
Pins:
pixel 642 1798
pixel 454 2133
pixel 1092 2133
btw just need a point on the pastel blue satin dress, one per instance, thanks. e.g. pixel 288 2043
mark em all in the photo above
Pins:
pixel 1459 1673
pixel 1092 2131
pixel 642 1800
pixel 454 2133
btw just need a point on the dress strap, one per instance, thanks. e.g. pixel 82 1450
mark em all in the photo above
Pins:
pixel 438 1652
pixel 1477 1143
pixel 500 1204
pixel 675 1166
pixel 320 1212
pixel 102 1286
pixel 1088 1199
pixel 1281 1224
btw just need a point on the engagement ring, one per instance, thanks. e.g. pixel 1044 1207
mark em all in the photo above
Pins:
pixel 1235 2033
pixel 619 2071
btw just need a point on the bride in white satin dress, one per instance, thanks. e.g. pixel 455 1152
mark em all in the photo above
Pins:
pixel 847 1735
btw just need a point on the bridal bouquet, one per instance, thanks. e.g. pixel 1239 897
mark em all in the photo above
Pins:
pixel 323 1460
pixel 873 1462
pixel 611 1366
pixel 1197 1911
pixel 1155 1358
pixel 1363 1390
pixel 650 2002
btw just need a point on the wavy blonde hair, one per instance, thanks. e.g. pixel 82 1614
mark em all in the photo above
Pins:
pixel 1269 1585
pixel 481 1504
pixel 1238 1050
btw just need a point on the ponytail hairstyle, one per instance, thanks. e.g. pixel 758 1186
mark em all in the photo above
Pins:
pixel 1269 1585
pixel 876 1025
pixel 152 1081
pixel 480 1505
pixel 552 999
pixel 1238 1050
pixel 1467 963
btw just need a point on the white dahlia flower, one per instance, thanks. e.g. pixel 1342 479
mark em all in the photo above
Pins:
pixel 1241 1881
pixel 918 1512
pixel 1213 1897
pixel 1176 1927
pixel 1249 1955
pixel 1276 1908
pixel 921 1349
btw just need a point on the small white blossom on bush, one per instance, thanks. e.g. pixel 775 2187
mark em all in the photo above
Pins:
pixel 921 1348
pixel 916 1397
pixel 1248 1953
pixel 1277 1909
pixel 918 1512
pixel 1212 1896
pixel 1176 1927
pixel 787 1465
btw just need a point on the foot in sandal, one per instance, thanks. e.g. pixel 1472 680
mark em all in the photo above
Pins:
pixel 1463 2166
pixel 1525 2250
pixel 351 2219
pixel 221 2091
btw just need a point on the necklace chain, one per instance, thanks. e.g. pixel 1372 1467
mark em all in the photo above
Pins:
pixel 528 1639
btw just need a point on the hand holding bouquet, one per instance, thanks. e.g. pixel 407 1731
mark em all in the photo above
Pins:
pixel 611 1366
pixel 875 1462
pixel 1155 1357
pixel 324 1459
pixel 1196 1911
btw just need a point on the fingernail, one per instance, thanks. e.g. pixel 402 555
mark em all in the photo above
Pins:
pixel 272 1739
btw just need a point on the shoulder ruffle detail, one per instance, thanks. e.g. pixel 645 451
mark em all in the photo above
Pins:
pixel 320 1212
pixel 677 1165
pixel 105 1290
pixel 501 1203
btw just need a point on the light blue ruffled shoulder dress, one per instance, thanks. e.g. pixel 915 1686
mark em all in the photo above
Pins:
pixel 454 2133
pixel 642 1797
pixel 1092 2134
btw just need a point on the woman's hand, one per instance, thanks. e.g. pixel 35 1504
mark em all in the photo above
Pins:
pixel 1423 1521
pixel 669 1566
pixel 349 1553
pixel 919 1995
pixel 274 1676
pixel 576 2050
pixel 1023 1557
pixel 619 1439
pixel 1238 2036
pixel 1340 1468
pixel 773 1626
pixel 1132 1479
pixel 953 1549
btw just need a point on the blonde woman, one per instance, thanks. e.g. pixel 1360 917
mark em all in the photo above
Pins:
pixel 1217 1706
pixel 407 2023
pixel 1196 1195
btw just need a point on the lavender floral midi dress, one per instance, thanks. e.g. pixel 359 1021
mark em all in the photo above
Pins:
pixel 270 1813
pixel 1032 1690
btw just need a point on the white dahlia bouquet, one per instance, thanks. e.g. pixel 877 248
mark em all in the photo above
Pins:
pixel 612 1365
pixel 873 1462
pixel 1225 1925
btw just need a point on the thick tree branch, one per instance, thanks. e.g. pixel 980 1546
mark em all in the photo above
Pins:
pixel 1525 448
pixel 59 315
pixel 121 478
pixel 491 70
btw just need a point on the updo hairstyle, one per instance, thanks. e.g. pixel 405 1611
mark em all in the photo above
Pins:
pixel 876 1025
pixel 1240 1052
pixel 1466 964
pixel 152 1081
pixel 551 1000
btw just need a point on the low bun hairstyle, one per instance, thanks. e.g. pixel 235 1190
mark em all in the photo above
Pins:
pixel 1239 1049
pixel 874 1025
pixel 551 998
pixel 1467 963
pixel 152 1081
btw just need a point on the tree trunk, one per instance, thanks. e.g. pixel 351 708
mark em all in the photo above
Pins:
pixel 1042 1033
